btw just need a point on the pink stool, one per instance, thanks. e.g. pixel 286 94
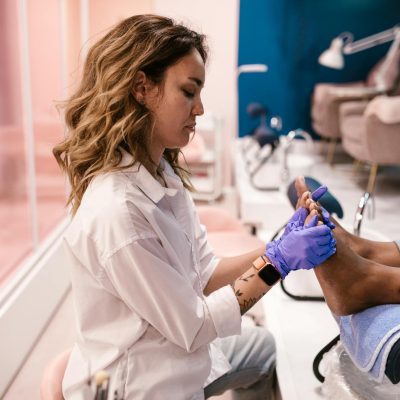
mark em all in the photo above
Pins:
pixel 226 234
pixel 51 384
pixel 217 219
pixel 230 244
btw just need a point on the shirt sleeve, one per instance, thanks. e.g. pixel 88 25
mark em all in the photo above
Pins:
pixel 207 259
pixel 158 293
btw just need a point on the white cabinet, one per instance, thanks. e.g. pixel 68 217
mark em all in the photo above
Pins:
pixel 204 158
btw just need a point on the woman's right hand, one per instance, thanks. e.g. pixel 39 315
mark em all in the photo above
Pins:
pixel 303 248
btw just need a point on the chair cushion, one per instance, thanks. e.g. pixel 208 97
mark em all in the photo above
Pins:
pixel 386 109
pixel 353 137
pixel 352 108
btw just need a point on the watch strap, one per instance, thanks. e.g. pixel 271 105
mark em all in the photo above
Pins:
pixel 266 270
pixel 260 263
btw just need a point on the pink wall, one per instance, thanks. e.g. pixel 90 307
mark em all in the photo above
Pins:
pixel 10 91
pixel 45 57
pixel 103 16
pixel 72 38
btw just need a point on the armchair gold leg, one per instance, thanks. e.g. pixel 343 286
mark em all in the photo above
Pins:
pixel 331 150
pixel 372 178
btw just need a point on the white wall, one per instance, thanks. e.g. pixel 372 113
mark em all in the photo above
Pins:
pixel 219 21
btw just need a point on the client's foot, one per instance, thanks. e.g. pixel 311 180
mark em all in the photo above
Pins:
pixel 353 241
pixel 352 283
pixel 301 186
pixel 342 279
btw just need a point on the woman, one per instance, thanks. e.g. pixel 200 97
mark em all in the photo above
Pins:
pixel 155 307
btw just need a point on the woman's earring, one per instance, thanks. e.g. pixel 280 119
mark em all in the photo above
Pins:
pixel 141 101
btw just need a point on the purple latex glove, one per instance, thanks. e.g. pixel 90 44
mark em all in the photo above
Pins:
pixel 297 220
pixel 316 195
pixel 319 192
pixel 303 248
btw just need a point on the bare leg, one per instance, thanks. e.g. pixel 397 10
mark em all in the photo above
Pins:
pixel 386 253
pixel 351 283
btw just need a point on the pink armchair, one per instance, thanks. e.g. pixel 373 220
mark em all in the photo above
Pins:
pixel 371 132
pixel 328 97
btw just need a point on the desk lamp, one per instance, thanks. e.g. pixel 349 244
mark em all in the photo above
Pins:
pixel 344 44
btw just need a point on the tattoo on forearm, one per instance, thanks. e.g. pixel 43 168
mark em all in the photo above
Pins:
pixel 246 278
pixel 245 304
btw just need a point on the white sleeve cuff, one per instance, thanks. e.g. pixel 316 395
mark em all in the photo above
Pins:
pixel 225 311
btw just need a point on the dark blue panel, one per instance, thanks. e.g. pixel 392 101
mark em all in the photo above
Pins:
pixel 288 36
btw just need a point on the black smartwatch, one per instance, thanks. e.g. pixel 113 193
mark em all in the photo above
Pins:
pixel 266 271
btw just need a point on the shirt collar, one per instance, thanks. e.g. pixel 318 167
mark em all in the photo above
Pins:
pixel 148 184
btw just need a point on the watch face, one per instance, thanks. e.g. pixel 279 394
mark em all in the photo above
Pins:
pixel 269 274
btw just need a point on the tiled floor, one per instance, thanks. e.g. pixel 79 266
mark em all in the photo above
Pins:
pixel 346 186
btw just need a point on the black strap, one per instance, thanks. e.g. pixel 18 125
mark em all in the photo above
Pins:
pixel 392 370
pixel 318 358
pixel 291 295
pixel 300 298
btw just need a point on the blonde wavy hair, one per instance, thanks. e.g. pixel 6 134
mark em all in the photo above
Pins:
pixel 103 117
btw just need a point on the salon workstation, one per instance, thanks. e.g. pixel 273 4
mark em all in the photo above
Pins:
pixel 199 200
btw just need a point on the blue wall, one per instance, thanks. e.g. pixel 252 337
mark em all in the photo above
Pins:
pixel 288 36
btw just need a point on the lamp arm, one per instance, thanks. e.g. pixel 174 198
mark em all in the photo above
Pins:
pixel 371 41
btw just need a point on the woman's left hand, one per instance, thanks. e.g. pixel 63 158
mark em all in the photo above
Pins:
pixel 303 248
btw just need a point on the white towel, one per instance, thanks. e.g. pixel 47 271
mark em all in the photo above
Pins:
pixel 368 337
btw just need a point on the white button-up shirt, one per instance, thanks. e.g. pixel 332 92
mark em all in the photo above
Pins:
pixel 139 262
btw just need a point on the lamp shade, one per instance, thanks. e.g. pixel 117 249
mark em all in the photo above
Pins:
pixel 333 57
pixel 246 68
